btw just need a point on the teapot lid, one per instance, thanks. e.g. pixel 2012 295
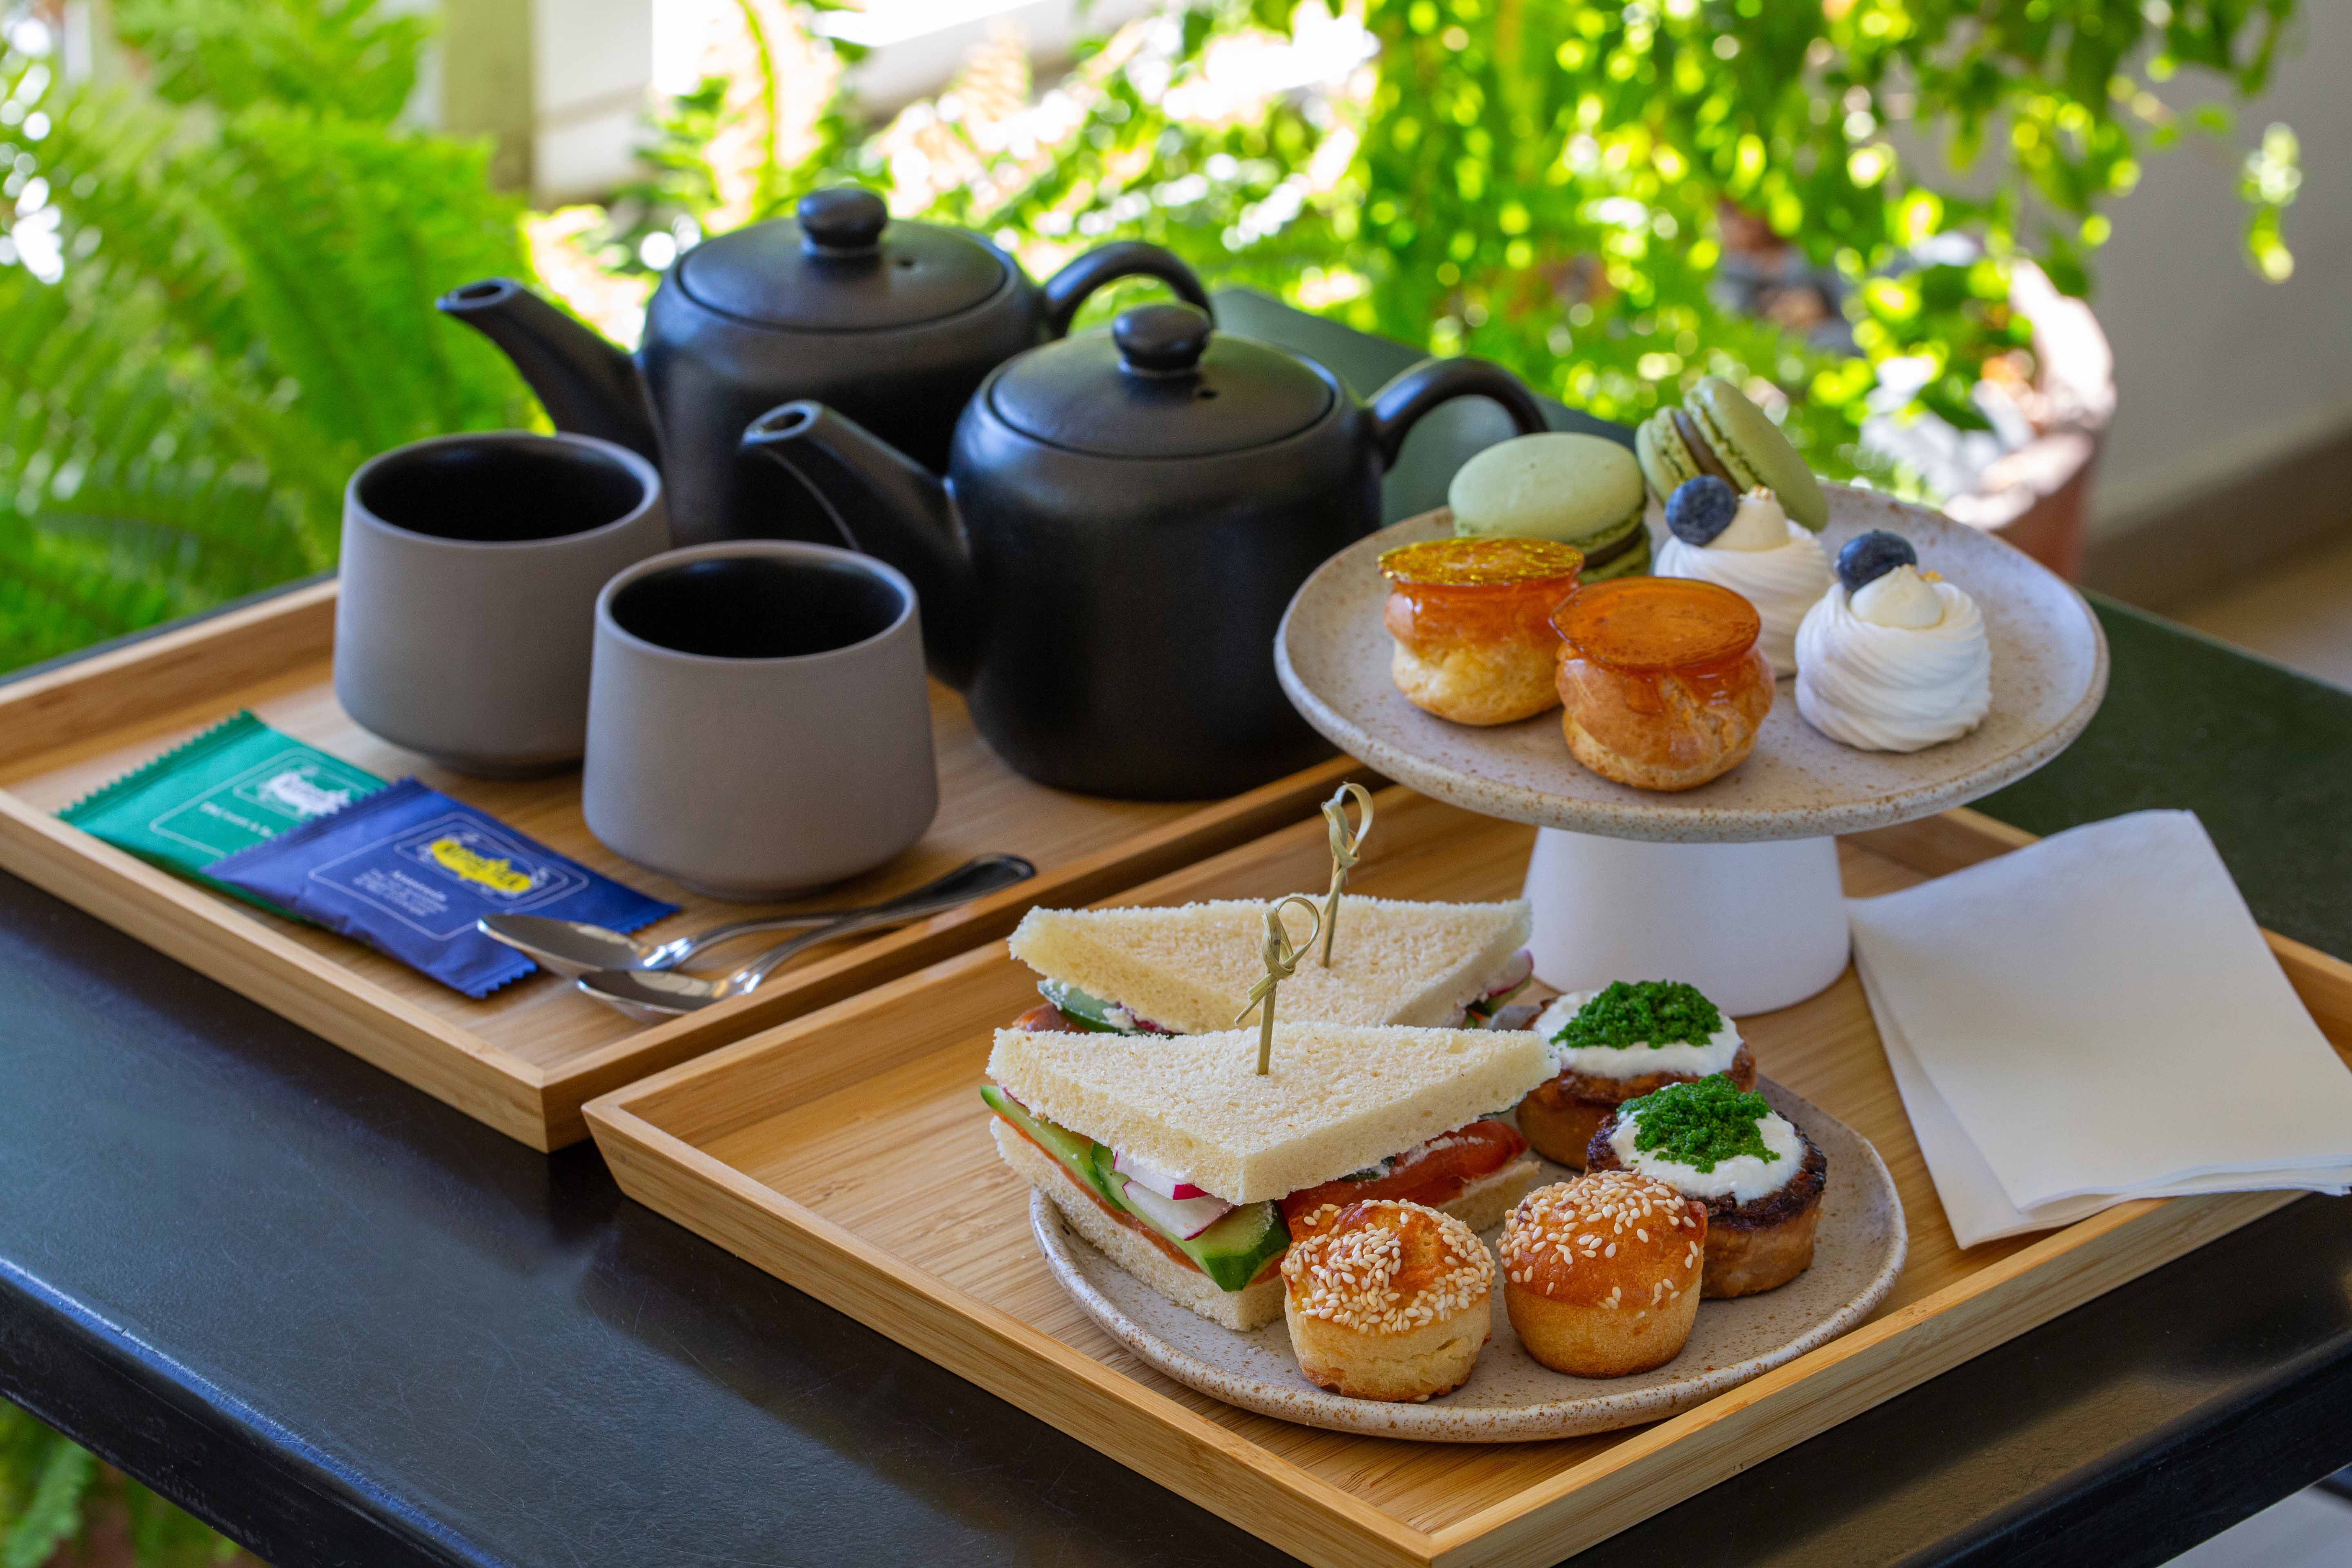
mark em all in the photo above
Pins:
pixel 1161 383
pixel 840 264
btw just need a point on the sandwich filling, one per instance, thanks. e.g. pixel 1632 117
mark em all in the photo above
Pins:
pixel 1237 1244
pixel 1068 1009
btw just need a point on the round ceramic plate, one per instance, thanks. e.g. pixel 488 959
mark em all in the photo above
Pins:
pixel 1510 1398
pixel 2049 671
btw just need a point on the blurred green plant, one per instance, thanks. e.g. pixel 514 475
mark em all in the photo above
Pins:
pixel 218 301
pixel 52 1492
pixel 1571 187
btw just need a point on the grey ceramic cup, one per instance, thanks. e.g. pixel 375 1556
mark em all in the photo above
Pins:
pixel 470 569
pixel 759 723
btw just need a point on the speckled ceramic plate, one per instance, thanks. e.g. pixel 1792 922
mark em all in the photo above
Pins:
pixel 1858 1251
pixel 2048 672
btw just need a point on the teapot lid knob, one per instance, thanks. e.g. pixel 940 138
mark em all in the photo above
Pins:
pixel 1160 340
pixel 846 220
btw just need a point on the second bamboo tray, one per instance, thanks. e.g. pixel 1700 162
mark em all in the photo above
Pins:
pixel 527 1057
pixel 788 1149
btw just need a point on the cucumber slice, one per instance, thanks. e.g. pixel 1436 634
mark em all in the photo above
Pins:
pixel 1230 1252
pixel 1075 1152
pixel 1091 1013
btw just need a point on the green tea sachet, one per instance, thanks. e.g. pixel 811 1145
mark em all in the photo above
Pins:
pixel 237 785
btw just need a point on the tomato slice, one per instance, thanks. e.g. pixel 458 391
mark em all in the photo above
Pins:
pixel 1435 1173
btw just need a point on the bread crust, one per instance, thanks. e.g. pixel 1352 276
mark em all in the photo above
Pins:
pixel 1498 683
pixel 1752 1247
pixel 1691 737
pixel 1561 1115
pixel 1601 1276
pixel 1404 1325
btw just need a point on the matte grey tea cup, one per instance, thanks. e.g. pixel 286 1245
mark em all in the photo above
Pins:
pixel 467 611
pixel 759 723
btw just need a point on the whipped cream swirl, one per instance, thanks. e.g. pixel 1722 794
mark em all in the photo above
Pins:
pixel 1782 583
pixel 1893 688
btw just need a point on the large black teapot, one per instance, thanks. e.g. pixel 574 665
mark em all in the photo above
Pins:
pixel 1126 516
pixel 893 323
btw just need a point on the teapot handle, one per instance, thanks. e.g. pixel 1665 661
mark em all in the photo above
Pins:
pixel 1399 406
pixel 1068 289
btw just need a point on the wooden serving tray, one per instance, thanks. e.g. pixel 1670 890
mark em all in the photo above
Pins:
pixel 781 1149
pixel 525 1059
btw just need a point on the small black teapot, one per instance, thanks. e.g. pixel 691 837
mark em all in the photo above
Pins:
pixel 1126 517
pixel 894 323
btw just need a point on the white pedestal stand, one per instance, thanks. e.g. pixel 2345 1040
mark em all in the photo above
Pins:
pixel 1754 926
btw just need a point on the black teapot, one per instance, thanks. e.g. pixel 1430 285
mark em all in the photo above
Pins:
pixel 893 323
pixel 1126 517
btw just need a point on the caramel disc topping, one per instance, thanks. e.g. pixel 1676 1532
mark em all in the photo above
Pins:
pixel 1656 624
pixel 1488 562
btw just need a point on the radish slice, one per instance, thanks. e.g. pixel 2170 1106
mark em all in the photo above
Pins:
pixel 1183 1218
pixel 1515 974
pixel 1154 1179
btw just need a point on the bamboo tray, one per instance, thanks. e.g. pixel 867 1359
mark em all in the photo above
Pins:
pixel 526 1058
pixel 769 1146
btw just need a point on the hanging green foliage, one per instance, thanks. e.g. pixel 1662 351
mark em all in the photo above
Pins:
pixel 1573 187
pixel 218 301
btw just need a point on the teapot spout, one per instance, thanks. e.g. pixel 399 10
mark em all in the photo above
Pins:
pixel 589 386
pixel 891 508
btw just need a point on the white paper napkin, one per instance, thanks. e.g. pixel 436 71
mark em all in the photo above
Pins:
pixel 2094 1018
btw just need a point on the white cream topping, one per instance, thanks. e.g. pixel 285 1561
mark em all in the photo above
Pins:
pixel 1757 523
pixel 1899 599
pixel 1893 688
pixel 1743 1178
pixel 1631 1061
pixel 1782 583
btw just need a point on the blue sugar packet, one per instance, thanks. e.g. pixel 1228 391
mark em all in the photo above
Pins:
pixel 408 870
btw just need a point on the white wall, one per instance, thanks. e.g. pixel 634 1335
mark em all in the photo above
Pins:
pixel 2217 370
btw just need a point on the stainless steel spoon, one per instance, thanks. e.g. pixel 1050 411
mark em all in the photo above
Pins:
pixel 652 994
pixel 574 948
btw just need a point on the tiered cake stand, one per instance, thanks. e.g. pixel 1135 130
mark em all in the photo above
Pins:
pixel 1732 887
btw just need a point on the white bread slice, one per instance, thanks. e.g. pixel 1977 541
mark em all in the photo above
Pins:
pixel 1250 1307
pixel 1481 1207
pixel 1337 1099
pixel 1189 969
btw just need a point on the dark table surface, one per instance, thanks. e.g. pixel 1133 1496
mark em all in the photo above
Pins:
pixel 346 1324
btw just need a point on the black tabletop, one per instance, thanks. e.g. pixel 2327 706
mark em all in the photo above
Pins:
pixel 348 1325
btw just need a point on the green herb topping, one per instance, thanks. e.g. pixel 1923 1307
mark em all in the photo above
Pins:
pixel 1700 1124
pixel 1651 1013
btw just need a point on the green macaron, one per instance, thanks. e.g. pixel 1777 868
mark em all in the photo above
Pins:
pixel 1718 430
pixel 1584 491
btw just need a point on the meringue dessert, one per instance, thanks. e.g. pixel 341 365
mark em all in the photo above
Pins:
pixel 1750 545
pixel 1892 659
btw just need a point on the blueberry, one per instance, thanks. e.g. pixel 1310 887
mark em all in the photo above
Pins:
pixel 1867 557
pixel 1700 508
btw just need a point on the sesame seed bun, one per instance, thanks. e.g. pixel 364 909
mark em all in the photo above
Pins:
pixel 1602 1274
pixel 1559 1117
pixel 1752 1247
pixel 1389 1300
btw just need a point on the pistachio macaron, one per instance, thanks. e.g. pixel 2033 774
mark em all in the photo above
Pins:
pixel 1584 491
pixel 1717 430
